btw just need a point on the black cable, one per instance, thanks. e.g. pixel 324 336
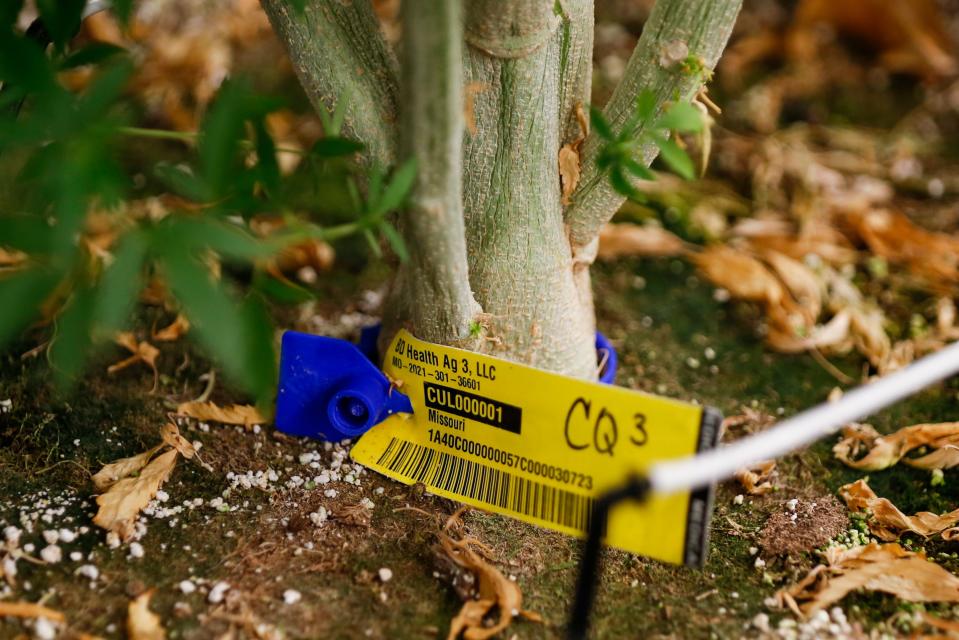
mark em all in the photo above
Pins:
pixel 591 564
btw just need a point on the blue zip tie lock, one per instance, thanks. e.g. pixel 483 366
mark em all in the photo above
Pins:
pixel 330 389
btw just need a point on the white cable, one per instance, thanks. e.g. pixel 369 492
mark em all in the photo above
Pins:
pixel 718 464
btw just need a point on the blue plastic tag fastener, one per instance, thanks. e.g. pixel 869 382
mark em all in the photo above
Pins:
pixel 331 390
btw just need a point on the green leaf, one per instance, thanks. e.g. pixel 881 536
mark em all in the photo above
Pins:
pixel 73 338
pixel 599 124
pixel 396 241
pixel 398 188
pixel 23 64
pixel 220 135
pixel 621 183
pixel 646 105
pixel 238 336
pixel 26 233
pixel 285 292
pixel 638 169
pixel 267 167
pixel 9 10
pixel 122 9
pixel 106 88
pixel 677 159
pixel 335 147
pixel 682 117
pixel 21 295
pixel 91 54
pixel 195 234
pixel 120 283
pixel 373 244
pixel 61 18
pixel 182 181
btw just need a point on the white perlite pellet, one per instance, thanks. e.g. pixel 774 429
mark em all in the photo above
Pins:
pixel 186 587
pixel 51 553
pixel 88 571
pixel 386 574
pixel 136 550
pixel 291 596
pixel 217 592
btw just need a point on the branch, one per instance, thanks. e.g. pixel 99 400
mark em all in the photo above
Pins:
pixel 700 26
pixel 339 53
pixel 431 130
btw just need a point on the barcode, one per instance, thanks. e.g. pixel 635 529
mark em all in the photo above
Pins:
pixel 489 485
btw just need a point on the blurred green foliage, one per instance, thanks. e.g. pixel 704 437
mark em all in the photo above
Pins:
pixel 621 153
pixel 60 160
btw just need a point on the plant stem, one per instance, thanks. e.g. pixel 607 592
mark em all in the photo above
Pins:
pixel 431 131
pixel 339 53
pixel 697 28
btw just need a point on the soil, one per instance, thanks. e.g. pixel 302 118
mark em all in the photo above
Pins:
pixel 658 314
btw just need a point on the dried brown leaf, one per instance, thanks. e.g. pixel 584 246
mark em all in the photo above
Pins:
pixel 756 480
pixel 11 258
pixel 884 451
pixel 909 36
pixel 887 521
pixel 787 337
pixel 121 504
pixel 142 352
pixel 568 170
pixel 173 331
pixel 569 157
pixel 233 414
pixel 143 624
pixel 171 436
pixel 887 568
pixel 122 468
pixel 802 283
pixel 745 277
pixel 30 610
pixel 625 239
pixel 494 591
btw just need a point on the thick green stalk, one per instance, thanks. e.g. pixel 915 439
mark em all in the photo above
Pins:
pixel 519 254
pixel 339 53
pixel 431 294
pixel 680 45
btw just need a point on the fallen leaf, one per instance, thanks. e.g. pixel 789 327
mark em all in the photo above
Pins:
pixel 233 414
pixel 171 436
pixel 894 237
pixel 788 338
pixel 886 521
pixel 494 591
pixel 109 474
pixel 569 157
pixel 29 610
pixel 884 451
pixel 745 277
pixel 887 568
pixel 122 503
pixel 756 480
pixel 568 170
pixel 173 331
pixel 909 36
pixel 142 352
pixel 143 624
pixel 802 283
pixel 626 239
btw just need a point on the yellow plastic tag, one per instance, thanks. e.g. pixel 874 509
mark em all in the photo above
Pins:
pixel 540 447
